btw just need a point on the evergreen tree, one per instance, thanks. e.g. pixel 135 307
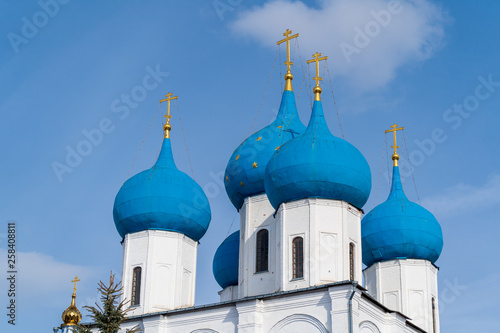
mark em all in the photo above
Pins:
pixel 111 313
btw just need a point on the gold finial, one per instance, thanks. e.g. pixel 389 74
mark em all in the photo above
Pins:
pixel 317 89
pixel 72 316
pixel 395 156
pixel 167 127
pixel 288 63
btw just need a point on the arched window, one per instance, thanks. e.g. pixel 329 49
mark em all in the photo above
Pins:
pixel 298 258
pixel 262 251
pixel 136 287
pixel 351 261
pixel 433 315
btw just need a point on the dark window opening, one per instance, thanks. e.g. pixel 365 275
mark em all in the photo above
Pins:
pixel 136 287
pixel 298 258
pixel 262 255
pixel 351 261
pixel 433 315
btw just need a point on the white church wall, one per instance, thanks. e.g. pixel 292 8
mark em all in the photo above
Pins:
pixel 307 311
pixel 229 293
pixel 257 214
pixel 407 286
pixel 168 263
pixel 218 319
pixel 318 310
pixel 327 228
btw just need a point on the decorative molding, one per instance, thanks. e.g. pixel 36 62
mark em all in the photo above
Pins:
pixel 299 318
pixel 153 321
pixel 369 326
pixel 294 204
pixel 294 304
pixel 250 325
pixel 201 319
pixel 257 198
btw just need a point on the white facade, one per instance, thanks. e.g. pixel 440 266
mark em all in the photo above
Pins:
pixel 327 298
pixel 257 214
pixel 168 270
pixel 328 229
pixel 342 307
pixel 408 286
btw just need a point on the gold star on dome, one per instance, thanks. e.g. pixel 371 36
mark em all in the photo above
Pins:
pixel 254 165
pixel 237 157
pixel 277 148
pixel 241 184
pixel 259 138
pixel 280 126
pixel 227 178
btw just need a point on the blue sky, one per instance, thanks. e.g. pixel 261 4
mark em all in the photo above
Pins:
pixel 430 66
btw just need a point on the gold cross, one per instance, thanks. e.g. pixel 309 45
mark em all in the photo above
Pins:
pixel 288 63
pixel 395 156
pixel 287 40
pixel 75 281
pixel 317 90
pixel 317 58
pixel 167 127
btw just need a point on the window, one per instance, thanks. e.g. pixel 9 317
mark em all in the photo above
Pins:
pixel 433 315
pixel 262 251
pixel 351 261
pixel 298 258
pixel 136 287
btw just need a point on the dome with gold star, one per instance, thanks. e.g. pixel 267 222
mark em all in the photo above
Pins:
pixel 245 171
pixel 317 164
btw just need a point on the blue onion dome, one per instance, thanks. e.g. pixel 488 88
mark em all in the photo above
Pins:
pixel 226 261
pixel 399 228
pixel 318 165
pixel 162 198
pixel 244 176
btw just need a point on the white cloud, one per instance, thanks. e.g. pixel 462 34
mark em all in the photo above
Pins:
pixel 40 274
pixel 462 198
pixel 44 288
pixel 411 34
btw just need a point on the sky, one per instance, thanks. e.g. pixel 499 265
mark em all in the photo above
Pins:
pixel 80 83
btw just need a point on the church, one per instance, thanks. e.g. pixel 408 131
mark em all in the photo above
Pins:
pixel 296 263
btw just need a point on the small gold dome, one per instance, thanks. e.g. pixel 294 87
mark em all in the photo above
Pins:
pixel 71 316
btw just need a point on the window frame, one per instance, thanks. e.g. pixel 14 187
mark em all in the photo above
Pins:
pixel 135 293
pixel 433 305
pixel 352 261
pixel 297 258
pixel 262 251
